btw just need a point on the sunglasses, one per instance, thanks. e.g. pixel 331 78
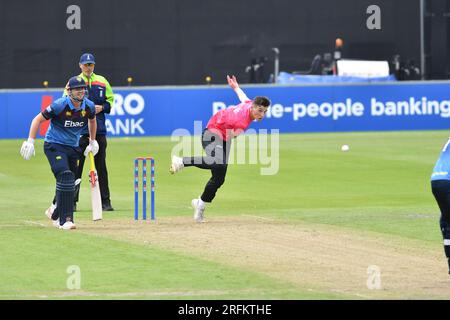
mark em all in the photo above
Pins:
pixel 89 64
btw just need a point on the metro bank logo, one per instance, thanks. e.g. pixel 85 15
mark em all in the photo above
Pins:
pixel 46 101
pixel 125 118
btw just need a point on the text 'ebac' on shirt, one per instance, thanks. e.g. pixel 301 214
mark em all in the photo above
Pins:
pixel 66 121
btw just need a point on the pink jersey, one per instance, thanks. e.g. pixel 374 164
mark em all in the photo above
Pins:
pixel 236 118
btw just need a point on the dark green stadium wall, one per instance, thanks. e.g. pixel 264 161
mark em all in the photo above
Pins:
pixel 178 42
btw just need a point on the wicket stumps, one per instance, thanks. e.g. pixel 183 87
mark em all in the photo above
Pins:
pixel 144 187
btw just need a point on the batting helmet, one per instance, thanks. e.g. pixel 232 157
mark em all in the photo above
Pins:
pixel 76 82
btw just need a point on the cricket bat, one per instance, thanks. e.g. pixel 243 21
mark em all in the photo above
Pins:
pixel 95 191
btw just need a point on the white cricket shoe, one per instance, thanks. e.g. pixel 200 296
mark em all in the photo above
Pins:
pixel 68 225
pixel 198 210
pixel 49 213
pixel 177 165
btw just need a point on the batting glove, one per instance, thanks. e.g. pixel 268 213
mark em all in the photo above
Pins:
pixel 27 149
pixel 92 147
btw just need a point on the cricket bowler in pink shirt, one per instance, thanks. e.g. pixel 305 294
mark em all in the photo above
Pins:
pixel 216 141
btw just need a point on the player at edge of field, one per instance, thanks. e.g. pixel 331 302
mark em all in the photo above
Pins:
pixel 68 116
pixel 216 141
pixel 440 187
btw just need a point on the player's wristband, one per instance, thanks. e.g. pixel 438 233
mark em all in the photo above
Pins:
pixel 30 140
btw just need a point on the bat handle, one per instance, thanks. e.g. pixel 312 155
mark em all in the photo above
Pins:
pixel 91 158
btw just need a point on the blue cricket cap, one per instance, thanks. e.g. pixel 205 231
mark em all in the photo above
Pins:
pixel 87 58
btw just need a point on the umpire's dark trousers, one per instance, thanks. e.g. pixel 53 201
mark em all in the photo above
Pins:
pixel 100 165
pixel 216 160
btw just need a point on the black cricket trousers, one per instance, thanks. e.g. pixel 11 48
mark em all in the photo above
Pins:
pixel 441 192
pixel 216 160
pixel 100 165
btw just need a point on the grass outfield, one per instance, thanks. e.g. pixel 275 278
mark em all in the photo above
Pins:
pixel 309 232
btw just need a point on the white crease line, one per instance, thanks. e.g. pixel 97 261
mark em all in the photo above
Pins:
pixel 133 294
pixel 258 217
pixel 11 225
pixel 35 223
pixel 351 293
